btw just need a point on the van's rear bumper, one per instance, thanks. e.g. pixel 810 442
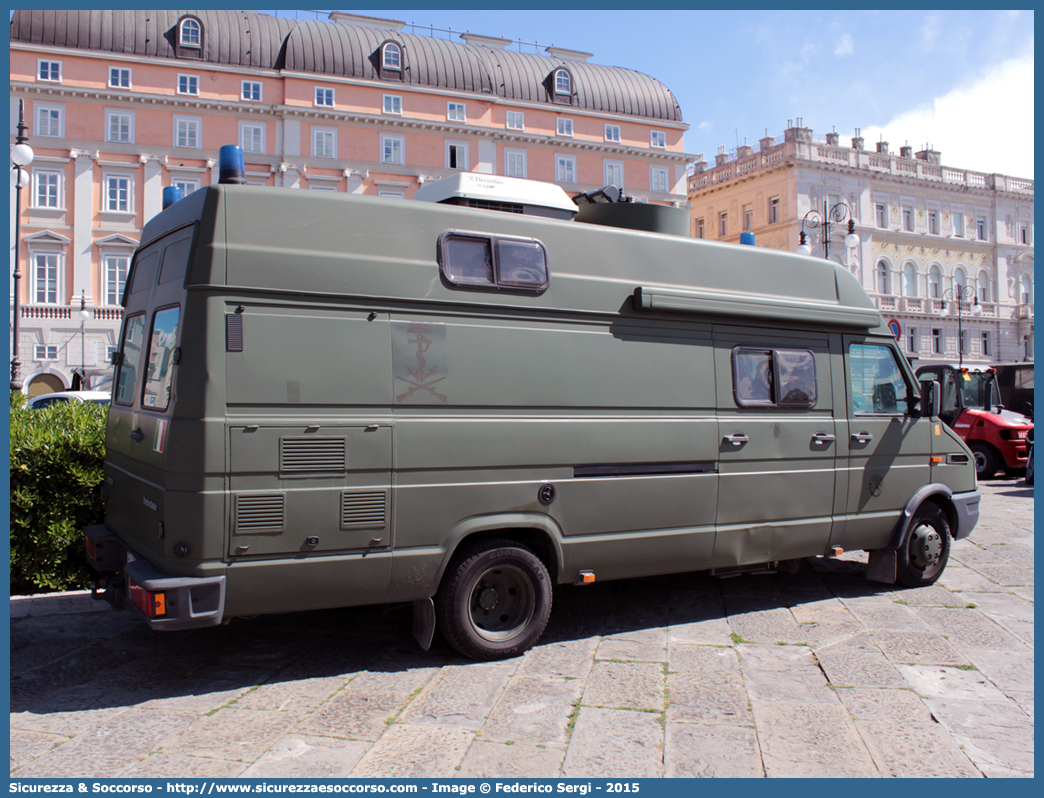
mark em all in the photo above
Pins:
pixel 134 584
pixel 967 506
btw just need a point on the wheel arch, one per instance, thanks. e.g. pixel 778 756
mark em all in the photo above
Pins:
pixel 538 532
pixel 937 494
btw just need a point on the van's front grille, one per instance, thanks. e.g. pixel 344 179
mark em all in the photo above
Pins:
pixel 258 514
pixel 364 510
pixel 297 455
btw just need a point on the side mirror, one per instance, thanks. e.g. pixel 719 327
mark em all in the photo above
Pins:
pixel 931 398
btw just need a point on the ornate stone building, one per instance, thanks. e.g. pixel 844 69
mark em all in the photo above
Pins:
pixel 928 234
pixel 121 104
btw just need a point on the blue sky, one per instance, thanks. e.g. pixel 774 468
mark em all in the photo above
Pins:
pixel 961 81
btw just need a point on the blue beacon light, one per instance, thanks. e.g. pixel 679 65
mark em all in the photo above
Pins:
pixel 230 165
pixel 747 238
pixel 171 194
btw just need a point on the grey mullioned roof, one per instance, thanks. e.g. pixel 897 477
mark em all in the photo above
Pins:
pixel 249 39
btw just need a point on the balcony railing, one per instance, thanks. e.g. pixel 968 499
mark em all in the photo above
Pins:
pixel 40 312
pixel 1025 311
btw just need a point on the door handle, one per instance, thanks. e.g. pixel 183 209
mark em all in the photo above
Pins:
pixel 824 437
pixel 862 437
pixel 737 439
pixel 137 436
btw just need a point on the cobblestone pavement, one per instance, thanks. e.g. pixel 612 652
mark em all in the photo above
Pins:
pixel 815 674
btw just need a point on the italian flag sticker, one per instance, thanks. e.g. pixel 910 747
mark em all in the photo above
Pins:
pixel 161 436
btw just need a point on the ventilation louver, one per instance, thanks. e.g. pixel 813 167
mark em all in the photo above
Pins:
pixel 364 510
pixel 299 455
pixel 258 514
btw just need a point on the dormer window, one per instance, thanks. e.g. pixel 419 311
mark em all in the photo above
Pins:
pixel 191 33
pixel 391 58
pixel 563 82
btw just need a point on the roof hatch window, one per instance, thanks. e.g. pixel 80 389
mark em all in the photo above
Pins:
pixel 493 262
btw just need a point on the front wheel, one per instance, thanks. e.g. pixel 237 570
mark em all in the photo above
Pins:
pixel 494 600
pixel 986 460
pixel 924 556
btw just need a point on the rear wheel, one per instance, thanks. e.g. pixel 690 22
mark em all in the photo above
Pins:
pixel 986 460
pixel 924 556
pixel 494 600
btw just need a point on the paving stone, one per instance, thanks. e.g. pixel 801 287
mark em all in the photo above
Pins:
pixel 969 629
pixel 1003 606
pixel 535 709
pixel 629 685
pixel 858 668
pixel 928 648
pixel 46 651
pixel 28 745
pixel 353 714
pixel 209 689
pixel 718 698
pixel 783 673
pixel 460 695
pixel 303 757
pixel 886 614
pixel 694 751
pixel 1023 699
pixel 997 737
pixel 177 766
pixel 413 752
pixel 951 684
pixel 962 578
pixel 403 682
pixel 801 740
pixel 108 750
pixel 296 696
pixel 915 750
pixel 703 659
pixel 634 645
pixel 76 711
pixel 893 706
pixel 765 626
pixel 713 630
pixel 569 658
pixel 622 743
pixel 639 604
pixel 932 596
pixel 1014 553
pixel 1007 670
pixel 237 734
pixel 1005 574
pixel 518 761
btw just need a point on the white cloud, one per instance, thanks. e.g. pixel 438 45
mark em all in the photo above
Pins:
pixel 705 125
pixel 930 31
pixel 985 126
pixel 843 46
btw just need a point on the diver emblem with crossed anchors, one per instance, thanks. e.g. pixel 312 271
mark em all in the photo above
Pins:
pixel 418 377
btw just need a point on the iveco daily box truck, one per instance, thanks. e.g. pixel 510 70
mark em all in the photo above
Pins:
pixel 324 400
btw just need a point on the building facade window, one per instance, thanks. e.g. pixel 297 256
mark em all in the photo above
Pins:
pixel 909 280
pixel 392 104
pixel 456 112
pixel 773 210
pixel 391 57
pixel 45 352
pixel 613 173
pixel 516 120
pixel 980 228
pixel 324 98
pixel 1026 290
pixel 250 91
pixel 252 137
pixel 936 341
pixel 563 82
pixel 457 155
pixel 50 71
pixel 188 84
pixel 934 282
pixel 50 121
pixel 1024 236
pixel 117 194
pixel 186 187
pixel 748 217
pixel 958 224
pixel 515 163
pixel 881 214
pixel 324 142
pixel 612 133
pixel 46 276
pixel 984 343
pixel 115 278
pixel 119 127
pixel 565 169
pixel 564 127
pixel 393 149
pixel 190 33
pixel 658 139
pixel 982 287
pixel 119 77
pixel 187 132
pixel 723 224
pixel 908 219
pixel 47 192
pixel 882 283
pixel 913 343
pixel 933 223
pixel 700 230
pixel 658 179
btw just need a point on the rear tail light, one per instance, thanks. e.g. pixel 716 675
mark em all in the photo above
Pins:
pixel 153 605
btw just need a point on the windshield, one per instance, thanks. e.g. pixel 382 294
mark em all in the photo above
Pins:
pixel 977 389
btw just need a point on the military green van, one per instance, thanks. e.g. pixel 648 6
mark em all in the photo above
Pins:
pixel 325 400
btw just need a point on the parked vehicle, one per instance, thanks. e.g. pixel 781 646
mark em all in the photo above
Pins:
pixel 48 399
pixel 1015 384
pixel 970 404
pixel 328 400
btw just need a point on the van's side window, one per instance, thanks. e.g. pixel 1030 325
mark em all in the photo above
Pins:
pixel 877 384
pixel 130 353
pixel 494 262
pixel 162 343
pixel 774 377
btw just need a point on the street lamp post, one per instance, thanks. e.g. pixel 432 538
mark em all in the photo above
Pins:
pixel 21 156
pixel 960 294
pixel 84 315
pixel 836 215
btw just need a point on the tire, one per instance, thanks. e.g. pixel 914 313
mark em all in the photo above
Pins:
pixel 1017 473
pixel 1029 468
pixel 986 460
pixel 926 550
pixel 494 600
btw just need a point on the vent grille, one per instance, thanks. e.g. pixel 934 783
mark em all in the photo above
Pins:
pixel 297 455
pixel 233 332
pixel 257 514
pixel 495 205
pixel 360 510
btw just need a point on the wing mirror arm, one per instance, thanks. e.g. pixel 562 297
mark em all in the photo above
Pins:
pixel 931 399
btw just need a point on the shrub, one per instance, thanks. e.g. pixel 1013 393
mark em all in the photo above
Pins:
pixel 56 472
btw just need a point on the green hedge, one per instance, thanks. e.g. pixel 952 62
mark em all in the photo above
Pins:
pixel 56 473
